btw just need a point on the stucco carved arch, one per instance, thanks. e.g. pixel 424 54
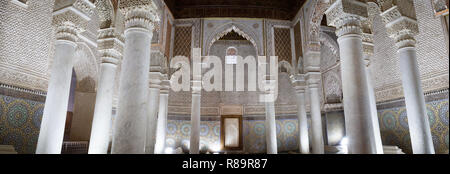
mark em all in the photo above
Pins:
pixel 328 42
pixel 318 10
pixel 242 30
pixel 86 68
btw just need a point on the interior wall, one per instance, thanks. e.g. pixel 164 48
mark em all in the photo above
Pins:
pixel 20 119
pixel 83 114
pixel 254 137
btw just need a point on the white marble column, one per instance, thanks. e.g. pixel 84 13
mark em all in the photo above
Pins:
pixel 402 26
pixel 129 134
pixel 68 21
pixel 110 48
pixel 154 93
pixel 162 117
pixel 54 117
pixel 346 16
pixel 368 48
pixel 194 145
pixel 271 129
pixel 317 141
pixel 418 121
pixel 301 114
pixel 270 122
pixel 374 112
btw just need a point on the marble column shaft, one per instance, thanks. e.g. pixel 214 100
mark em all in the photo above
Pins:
pixel 54 117
pixel 271 129
pixel 154 93
pixel 101 123
pixel 418 121
pixel 194 146
pixel 302 122
pixel 373 110
pixel 129 135
pixel 357 110
pixel 317 141
pixel 346 16
pixel 162 119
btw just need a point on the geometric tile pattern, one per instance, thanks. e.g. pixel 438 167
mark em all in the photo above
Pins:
pixel 255 137
pixel 395 131
pixel 20 121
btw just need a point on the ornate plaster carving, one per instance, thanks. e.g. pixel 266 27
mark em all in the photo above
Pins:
pixel 346 16
pixel 241 29
pixel 110 45
pixel 400 20
pixel 105 11
pixel 315 17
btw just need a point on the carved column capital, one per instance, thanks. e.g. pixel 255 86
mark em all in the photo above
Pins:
pixel 71 19
pixel 165 84
pixel 401 23
pixel 299 83
pixel 313 79
pixel 196 86
pixel 139 14
pixel 155 79
pixel 110 45
pixel 346 16
pixel 311 61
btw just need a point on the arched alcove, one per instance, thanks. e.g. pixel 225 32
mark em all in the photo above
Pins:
pixel 242 30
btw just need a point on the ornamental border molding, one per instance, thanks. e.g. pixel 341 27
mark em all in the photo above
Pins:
pixel 23 79
pixel 20 89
